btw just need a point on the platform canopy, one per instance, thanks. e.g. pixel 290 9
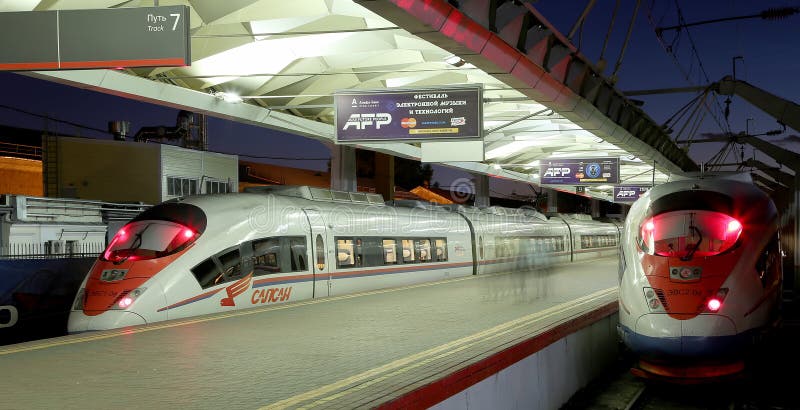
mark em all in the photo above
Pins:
pixel 286 59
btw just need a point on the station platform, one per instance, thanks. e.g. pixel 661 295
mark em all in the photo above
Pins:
pixel 406 347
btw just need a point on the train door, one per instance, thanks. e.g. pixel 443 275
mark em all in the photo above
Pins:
pixel 319 244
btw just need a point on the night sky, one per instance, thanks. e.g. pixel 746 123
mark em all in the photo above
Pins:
pixel 769 51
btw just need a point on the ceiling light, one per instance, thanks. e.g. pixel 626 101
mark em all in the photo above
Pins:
pixel 228 97
pixel 454 60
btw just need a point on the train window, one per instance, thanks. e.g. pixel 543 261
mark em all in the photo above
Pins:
pixel 266 256
pixel 345 253
pixel 320 249
pixel 424 250
pixel 207 273
pixel 389 251
pixel 297 246
pixel 408 251
pixel 441 249
pixel 231 264
pixel 480 245
pixel 372 251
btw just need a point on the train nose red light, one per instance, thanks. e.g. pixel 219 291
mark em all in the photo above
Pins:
pixel 125 302
pixel 714 304
pixel 188 233
pixel 734 227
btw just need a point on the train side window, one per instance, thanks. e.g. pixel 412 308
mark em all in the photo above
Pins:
pixel 389 252
pixel 345 253
pixel 424 250
pixel 408 251
pixel 441 249
pixel 372 251
pixel 298 253
pixel 231 264
pixel 320 249
pixel 266 256
pixel 207 273
pixel 480 245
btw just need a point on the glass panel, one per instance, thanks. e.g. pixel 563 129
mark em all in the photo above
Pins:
pixel 266 256
pixel 320 245
pixel 441 249
pixel 345 255
pixel 207 273
pixel 298 250
pixel 389 254
pixel 147 240
pixel 686 234
pixel 424 250
pixel 408 250
pixel 231 264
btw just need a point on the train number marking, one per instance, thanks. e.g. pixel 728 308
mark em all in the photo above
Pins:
pixel 271 295
pixel 684 292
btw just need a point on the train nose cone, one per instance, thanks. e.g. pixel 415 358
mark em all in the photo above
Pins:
pixel 659 335
pixel 108 320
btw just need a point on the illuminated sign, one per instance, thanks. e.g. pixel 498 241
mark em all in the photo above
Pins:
pixel 571 171
pixel 98 38
pixel 629 193
pixel 390 115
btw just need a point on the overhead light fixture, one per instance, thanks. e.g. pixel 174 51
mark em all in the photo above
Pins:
pixel 454 60
pixel 228 97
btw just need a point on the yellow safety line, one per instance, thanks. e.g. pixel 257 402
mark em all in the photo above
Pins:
pixel 399 366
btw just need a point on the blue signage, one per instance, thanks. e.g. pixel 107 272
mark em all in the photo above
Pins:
pixel 571 171
pixel 629 193
pixel 392 115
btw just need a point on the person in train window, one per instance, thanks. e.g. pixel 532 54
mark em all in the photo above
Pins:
pixel 358 253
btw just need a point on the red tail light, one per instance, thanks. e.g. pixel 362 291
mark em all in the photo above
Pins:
pixel 714 304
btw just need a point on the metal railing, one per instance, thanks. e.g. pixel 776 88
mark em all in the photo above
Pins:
pixel 51 250
pixel 19 150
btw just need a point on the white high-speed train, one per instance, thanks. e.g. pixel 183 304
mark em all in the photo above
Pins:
pixel 700 275
pixel 217 253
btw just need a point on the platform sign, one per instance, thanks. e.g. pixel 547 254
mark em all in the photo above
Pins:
pixel 97 38
pixel 572 171
pixel 447 113
pixel 629 193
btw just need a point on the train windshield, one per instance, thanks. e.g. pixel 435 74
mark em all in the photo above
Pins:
pixel 159 231
pixel 148 240
pixel 687 234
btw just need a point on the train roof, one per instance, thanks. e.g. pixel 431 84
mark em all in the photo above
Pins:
pixel 318 194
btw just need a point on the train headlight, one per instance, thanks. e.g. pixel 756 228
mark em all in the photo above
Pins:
pixel 653 298
pixel 714 303
pixel 127 299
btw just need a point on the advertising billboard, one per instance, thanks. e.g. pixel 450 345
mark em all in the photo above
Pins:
pixel 572 171
pixel 629 193
pixel 398 115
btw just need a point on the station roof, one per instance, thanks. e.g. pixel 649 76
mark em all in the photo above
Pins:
pixel 287 58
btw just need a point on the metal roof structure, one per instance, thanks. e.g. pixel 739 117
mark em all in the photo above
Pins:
pixel 287 58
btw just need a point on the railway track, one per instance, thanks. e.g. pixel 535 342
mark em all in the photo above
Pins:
pixel 769 382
